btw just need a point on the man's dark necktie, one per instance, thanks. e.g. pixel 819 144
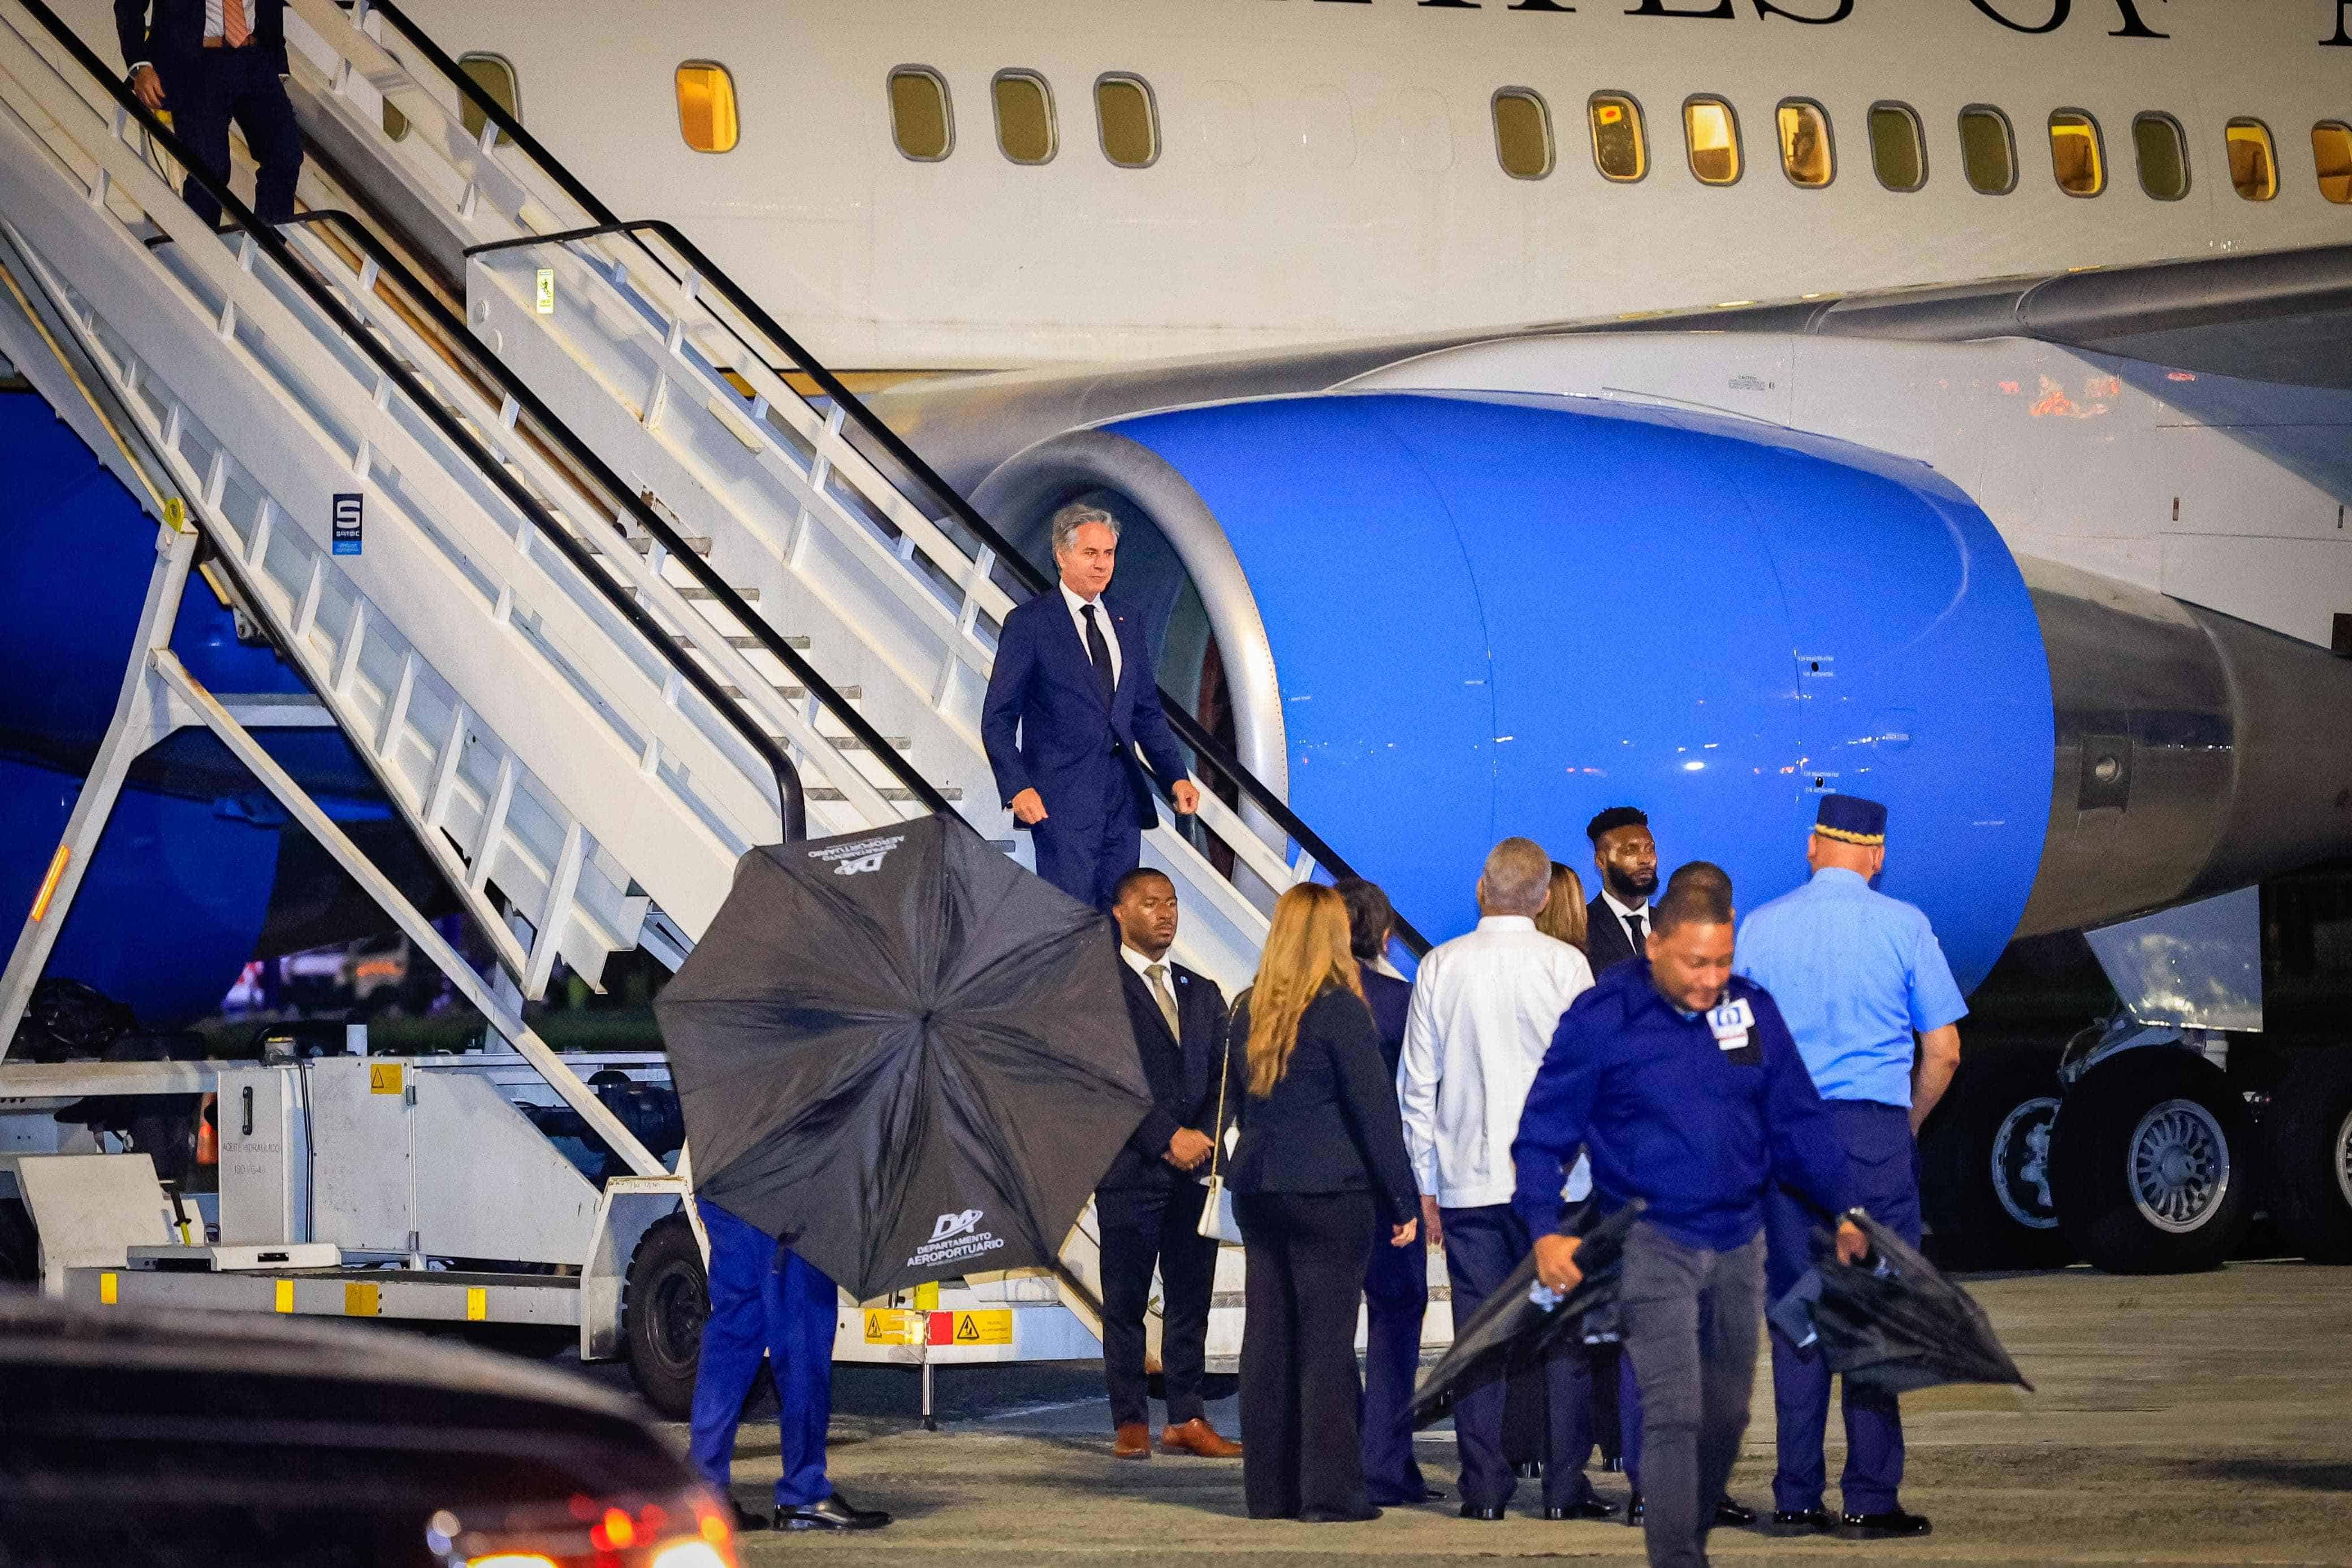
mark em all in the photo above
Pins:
pixel 1100 651
pixel 1637 929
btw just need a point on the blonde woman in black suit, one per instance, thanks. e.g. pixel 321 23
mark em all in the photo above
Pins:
pixel 1319 1177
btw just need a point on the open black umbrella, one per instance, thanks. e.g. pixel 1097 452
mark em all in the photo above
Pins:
pixel 1892 1320
pixel 1517 1323
pixel 903 1054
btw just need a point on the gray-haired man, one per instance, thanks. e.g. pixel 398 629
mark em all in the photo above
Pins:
pixel 1484 1007
pixel 1073 718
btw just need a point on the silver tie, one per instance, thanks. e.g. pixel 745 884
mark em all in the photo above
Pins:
pixel 1158 974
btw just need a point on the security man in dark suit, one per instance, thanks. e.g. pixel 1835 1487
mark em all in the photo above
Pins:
pixel 1396 1285
pixel 208 62
pixel 1617 921
pixel 1074 681
pixel 1148 1206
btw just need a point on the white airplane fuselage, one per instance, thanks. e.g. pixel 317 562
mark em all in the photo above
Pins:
pixel 1329 169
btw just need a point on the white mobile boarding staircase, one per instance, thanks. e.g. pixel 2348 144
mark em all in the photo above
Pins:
pixel 565 572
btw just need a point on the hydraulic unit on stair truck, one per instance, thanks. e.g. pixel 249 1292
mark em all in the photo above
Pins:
pixel 457 1193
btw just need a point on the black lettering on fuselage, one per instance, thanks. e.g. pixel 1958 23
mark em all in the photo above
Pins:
pixel 2132 28
pixel 2343 38
pixel 1845 9
pixel 1722 12
pixel 2058 12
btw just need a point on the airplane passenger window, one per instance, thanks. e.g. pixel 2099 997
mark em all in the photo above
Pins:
pixel 2331 148
pixel 495 75
pixel 705 107
pixel 2163 156
pixel 1024 117
pixel 1987 152
pixel 1898 150
pixel 922 120
pixel 2253 160
pixel 1618 147
pixel 1523 142
pixel 1711 130
pixel 1130 124
pixel 2075 157
pixel 1806 153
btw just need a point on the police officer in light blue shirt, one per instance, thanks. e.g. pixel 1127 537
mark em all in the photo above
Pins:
pixel 1865 990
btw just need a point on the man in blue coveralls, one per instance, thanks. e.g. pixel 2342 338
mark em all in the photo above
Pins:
pixel 1859 976
pixel 1681 1083
pixel 765 1299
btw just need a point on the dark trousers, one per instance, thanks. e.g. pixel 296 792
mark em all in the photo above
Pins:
pixel 1885 1162
pixel 1084 855
pixel 1140 1226
pixel 765 1299
pixel 216 86
pixel 1308 1253
pixel 1691 1320
pixel 1482 1247
pixel 1396 1298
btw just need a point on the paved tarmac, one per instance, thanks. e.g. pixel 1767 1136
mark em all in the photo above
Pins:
pixel 2205 1418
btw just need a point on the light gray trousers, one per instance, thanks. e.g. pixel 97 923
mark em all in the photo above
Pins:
pixel 1691 1321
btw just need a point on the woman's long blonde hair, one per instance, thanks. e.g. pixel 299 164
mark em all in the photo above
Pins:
pixel 1307 954
pixel 1563 918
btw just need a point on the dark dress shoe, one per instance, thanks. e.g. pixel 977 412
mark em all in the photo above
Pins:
pixel 1730 1515
pixel 1590 1508
pixel 1472 1511
pixel 1635 1511
pixel 745 1520
pixel 1426 1494
pixel 1330 1516
pixel 1800 1522
pixel 1889 1525
pixel 832 1513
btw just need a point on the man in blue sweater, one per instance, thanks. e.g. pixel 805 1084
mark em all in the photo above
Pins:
pixel 1684 1087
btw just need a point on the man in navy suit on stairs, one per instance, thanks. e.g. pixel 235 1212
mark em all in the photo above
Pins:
pixel 1074 682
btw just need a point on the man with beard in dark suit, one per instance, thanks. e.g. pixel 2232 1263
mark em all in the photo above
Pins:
pixel 1617 921
pixel 1148 1206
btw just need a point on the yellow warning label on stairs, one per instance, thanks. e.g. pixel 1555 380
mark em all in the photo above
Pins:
pixel 888 1325
pixel 982 1328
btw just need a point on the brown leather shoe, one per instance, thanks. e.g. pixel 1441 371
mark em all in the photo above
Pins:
pixel 1133 1441
pixel 1197 1437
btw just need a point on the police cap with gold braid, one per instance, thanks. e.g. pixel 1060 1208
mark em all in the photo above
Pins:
pixel 1851 820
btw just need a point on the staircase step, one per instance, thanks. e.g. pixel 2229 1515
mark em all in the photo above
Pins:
pixel 643 544
pixel 851 742
pixel 743 640
pixel 694 592
pixel 799 694
pixel 888 792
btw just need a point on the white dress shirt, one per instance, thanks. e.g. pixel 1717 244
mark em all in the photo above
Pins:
pixel 1625 911
pixel 1484 1007
pixel 1102 619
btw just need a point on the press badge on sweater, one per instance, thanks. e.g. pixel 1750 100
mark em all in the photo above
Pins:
pixel 1731 1025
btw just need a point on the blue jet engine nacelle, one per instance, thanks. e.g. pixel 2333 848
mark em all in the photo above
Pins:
pixel 1441 618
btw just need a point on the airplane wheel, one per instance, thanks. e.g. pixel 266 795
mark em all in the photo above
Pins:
pixel 2307 1149
pixel 2150 1163
pixel 1984 1160
pixel 665 1301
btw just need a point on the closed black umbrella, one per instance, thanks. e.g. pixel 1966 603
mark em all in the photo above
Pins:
pixel 903 1054
pixel 1514 1324
pixel 1893 1321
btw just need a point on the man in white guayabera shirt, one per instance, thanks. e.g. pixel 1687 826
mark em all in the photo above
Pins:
pixel 1484 1007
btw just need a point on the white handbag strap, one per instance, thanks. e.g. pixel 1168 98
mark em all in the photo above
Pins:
pixel 1224 1078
